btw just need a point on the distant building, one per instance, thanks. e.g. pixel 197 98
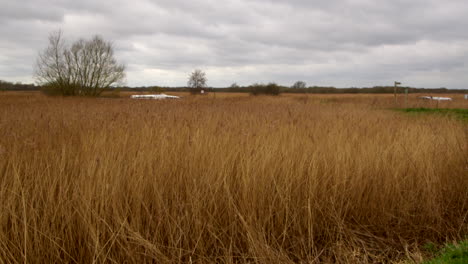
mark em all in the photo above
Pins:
pixel 154 96
pixel 436 98
pixel 466 96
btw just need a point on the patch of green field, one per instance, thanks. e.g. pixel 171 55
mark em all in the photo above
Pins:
pixel 452 254
pixel 458 112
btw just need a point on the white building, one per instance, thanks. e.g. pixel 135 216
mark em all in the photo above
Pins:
pixel 435 98
pixel 154 96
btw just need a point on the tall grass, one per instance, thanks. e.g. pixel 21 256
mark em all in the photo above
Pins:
pixel 233 180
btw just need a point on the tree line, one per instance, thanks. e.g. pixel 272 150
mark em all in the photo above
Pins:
pixel 285 89
pixel 10 86
pixel 18 86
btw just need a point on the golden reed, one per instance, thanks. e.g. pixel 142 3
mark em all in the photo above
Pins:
pixel 231 179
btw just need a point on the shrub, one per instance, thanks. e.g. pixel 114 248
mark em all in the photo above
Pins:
pixel 269 89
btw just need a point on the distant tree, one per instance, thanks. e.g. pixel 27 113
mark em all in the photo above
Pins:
pixel 299 85
pixel 156 89
pixel 3 85
pixel 87 67
pixel 234 86
pixel 197 81
pixel 269 89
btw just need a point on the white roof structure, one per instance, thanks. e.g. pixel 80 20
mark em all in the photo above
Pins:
pixel 436 98
pixel 154 96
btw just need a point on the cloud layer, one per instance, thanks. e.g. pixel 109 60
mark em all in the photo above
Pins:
pixel 422 43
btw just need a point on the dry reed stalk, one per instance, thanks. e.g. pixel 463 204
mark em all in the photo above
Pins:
pixel 237 179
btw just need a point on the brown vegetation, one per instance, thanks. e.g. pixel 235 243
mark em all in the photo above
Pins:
pixel 228 180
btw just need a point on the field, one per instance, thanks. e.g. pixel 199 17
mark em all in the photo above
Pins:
pixel 229 178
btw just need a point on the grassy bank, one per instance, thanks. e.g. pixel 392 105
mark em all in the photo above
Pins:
pixel 461 113
pixel 456 253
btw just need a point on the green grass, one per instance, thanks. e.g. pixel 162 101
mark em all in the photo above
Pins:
pixel 458 112
pixel 452 254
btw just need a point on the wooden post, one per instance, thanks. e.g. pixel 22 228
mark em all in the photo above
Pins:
pixel 406 97
pixel 394 92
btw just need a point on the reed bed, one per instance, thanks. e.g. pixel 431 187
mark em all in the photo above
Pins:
pixel 231 179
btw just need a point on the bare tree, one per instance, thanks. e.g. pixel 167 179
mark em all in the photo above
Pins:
pixel 299 85
pixel 87 67
pixel 197 81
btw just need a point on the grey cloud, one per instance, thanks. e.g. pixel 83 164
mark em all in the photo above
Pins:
pixel 335 42
pixel 28 10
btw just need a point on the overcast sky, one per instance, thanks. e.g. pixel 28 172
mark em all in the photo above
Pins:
pixel 342 43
